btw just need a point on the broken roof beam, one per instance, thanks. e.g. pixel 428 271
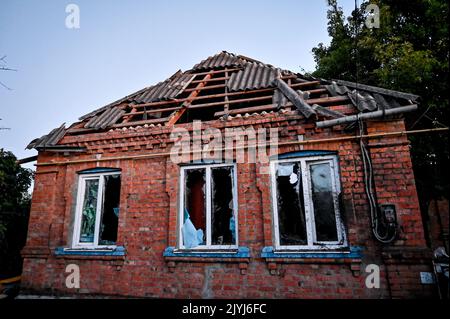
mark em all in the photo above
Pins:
pixel 226 77
pixel 397 94
pixel 179 113
pixel 213 96
pixel 259 98
pixel 369 115
pixel 218 86
pixel 26 160
pixel 128 116
pixel 296 99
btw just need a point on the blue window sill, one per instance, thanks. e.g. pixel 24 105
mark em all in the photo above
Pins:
pixel 119 251
pixel 353 253
pixel 241 252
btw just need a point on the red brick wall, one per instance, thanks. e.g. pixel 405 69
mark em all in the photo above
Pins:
pixel 148 221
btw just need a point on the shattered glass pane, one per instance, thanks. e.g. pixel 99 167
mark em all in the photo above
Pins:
pixel 291 209
pixel 223 230
pixel 89 211
pixel 195 205
pixel 323 201
pixel 110 212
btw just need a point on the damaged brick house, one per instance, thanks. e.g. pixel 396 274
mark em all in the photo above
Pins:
pixel 337 193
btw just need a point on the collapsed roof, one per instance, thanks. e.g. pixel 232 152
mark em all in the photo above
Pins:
pixel 227 85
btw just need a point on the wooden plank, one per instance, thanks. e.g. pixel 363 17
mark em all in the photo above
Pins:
pixel 205 88
pixel 226 98
pixel 302 84
pixel 226 77
pixel 217 71
pixel 212 80
pixel 128 116
pixel 177 114
pixel 212 96
pixel 167 109
pixel 256 109
pixel 194 106
pixel 259 98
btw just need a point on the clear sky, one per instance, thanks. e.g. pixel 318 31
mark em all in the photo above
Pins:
pixel 123 46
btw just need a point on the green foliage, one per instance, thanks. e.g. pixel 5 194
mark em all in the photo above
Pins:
pixel 14 211
pixel 14 183
pixel 409 53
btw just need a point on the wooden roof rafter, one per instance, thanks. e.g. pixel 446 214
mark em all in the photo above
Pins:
pixel 176 115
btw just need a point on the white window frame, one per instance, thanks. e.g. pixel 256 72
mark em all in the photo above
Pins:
pixel 79 208
pixel 208 196
pixel 312 243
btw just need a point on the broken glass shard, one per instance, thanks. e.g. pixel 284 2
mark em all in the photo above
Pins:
pixel 89 211
pixel 194 202
pixel 291 209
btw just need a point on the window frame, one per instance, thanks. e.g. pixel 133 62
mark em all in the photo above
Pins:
pixel 312 243
pixel 82 178
pixel 208 196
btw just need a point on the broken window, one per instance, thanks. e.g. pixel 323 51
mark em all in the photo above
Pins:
pixel 97 210
pixel 110 211
pixel 322 200
pixel 208 209
pixel 194 228
pixel 222 220
pixel 306 212
pixel 291 208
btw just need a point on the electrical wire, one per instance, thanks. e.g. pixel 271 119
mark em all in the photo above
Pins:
pixel 391 230
pixel 367 163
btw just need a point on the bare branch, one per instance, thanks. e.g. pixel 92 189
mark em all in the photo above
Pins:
pixel 6 69
pixel 6 87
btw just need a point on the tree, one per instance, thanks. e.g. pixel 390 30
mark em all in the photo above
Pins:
pixel 409 53
pixel 14 211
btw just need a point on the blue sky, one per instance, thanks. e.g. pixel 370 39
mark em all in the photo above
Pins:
pixel 123 46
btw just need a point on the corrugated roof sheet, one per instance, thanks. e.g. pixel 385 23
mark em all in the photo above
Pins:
pixel 221 59
pixel 119 101
pixel 364 100
pixel 165 90
pixel 279 100
pixel 105 119
pixel 253 76
pixel 296 99
pixel 50 139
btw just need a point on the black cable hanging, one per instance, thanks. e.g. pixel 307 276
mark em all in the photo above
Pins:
pixel 377 223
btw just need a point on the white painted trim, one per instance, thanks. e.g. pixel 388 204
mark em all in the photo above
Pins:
pixel 208 198
pixel 82 178
pixel 312 243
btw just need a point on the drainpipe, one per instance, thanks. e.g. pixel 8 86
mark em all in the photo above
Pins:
pixel 365 116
